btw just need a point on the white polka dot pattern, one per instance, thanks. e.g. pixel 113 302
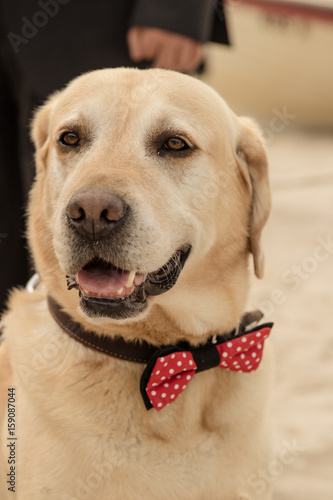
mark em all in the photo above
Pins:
pixel 174 371
pixel 244 353
pixel 170 382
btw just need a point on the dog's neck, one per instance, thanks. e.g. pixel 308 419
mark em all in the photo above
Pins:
pixel 118 347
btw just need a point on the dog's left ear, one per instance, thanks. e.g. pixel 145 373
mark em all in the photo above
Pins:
pixel 40 128
pixel 253 163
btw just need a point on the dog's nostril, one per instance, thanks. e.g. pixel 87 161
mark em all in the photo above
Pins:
pixel 80 215
pixel 75 211
pixel 108 216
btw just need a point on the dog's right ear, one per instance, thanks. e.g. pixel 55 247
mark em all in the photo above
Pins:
pixel 254 167
pixel 40 127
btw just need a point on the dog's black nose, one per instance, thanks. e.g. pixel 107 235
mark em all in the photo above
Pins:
pixel 96 212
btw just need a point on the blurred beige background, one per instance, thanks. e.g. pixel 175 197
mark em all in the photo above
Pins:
pixel 280 71
pixel 276 61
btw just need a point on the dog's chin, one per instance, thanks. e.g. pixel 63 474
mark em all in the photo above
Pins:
pixel 109 292
pixel 118 309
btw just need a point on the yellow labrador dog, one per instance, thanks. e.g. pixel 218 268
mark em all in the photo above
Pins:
pixel 130 370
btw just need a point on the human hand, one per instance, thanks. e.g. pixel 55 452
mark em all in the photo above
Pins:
pixel 164 49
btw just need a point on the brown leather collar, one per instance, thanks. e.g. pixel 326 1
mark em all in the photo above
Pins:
pixel 139 352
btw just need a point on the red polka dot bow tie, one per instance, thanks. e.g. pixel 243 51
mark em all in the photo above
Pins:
pixel 172 368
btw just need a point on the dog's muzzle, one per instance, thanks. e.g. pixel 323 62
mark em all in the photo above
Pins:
pixel 108 291
pixel 100 219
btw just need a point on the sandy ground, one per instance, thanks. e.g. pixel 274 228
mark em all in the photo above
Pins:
pixel 297 294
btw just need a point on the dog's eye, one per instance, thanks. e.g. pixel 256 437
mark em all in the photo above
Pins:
pixel 175 144
pixel 69 139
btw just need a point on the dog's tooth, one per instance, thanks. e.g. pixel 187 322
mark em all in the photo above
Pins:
pixel 130 280
pixel 120 291
pixel 139 278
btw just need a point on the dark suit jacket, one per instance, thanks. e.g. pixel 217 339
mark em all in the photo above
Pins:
pixel 56 40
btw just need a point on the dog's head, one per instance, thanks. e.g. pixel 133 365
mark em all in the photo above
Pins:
pixel 149 191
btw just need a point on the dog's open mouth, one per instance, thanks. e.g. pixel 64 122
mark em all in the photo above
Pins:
pixel 106 290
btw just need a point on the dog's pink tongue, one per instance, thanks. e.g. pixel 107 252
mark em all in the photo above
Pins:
pixel 103 282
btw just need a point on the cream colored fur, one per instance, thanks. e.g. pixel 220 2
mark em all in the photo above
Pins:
pixel 83 431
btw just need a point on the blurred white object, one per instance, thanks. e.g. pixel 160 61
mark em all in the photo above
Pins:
pixel 279 60
pixel 32 283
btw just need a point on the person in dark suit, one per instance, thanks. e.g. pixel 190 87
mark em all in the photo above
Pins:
pixel 46 43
